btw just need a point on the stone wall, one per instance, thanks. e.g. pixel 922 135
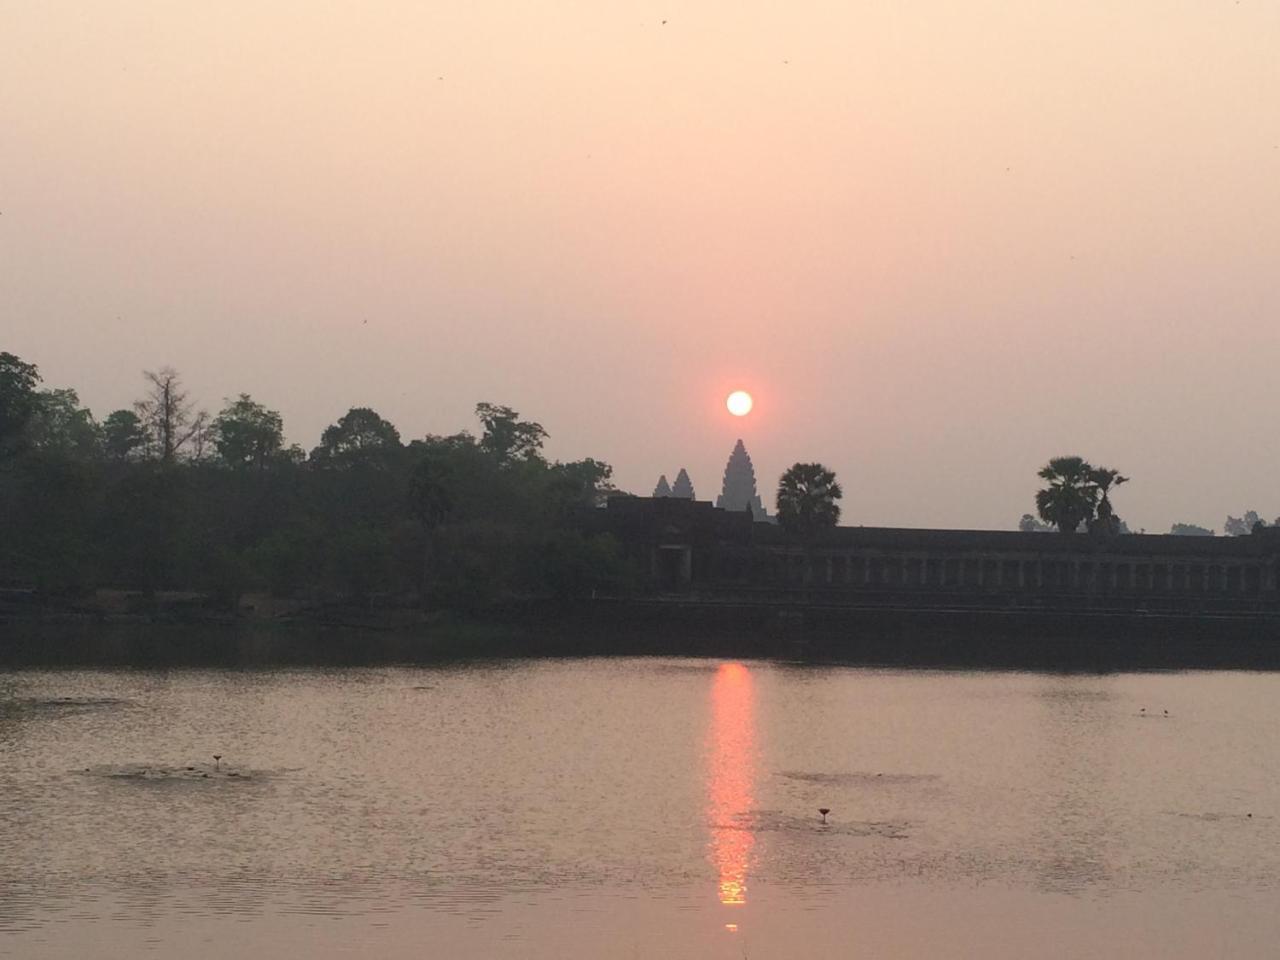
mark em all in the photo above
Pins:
pixel 718 553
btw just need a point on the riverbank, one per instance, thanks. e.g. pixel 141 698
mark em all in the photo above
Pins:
pixel 973 638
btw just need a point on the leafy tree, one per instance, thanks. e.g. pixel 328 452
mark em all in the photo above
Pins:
pixel 123 435
pixel 508 438
pixel 51 502
pixel 1189 530
pixel 360 561
pixel 1029 524
pixel 18 401
pixel 1071 496
pixel 567 564
pixel 433 499
pixel 1078 492
pixel 581 483
pixel 284 560
pixel 1105 519
pixel 360 436
pixel 246 433
pixel 145 528
pixel 61 426
pixel 293 455
pixel 807 495
pixel 1242 526
pixel 169 417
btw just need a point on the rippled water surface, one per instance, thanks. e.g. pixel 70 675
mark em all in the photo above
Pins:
pixel 637 809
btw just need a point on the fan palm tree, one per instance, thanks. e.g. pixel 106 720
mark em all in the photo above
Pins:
pixel 1072 494
pixel 1104 478
pixel 807 495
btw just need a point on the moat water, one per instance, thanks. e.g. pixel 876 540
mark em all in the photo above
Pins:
pixel 638 809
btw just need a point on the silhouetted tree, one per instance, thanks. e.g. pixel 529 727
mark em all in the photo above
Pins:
pixel 123 436
pixel 579 483
pixel 433 497
pixel 150 506
pixel 168 416
pixel 360 560
pixel 1029 524
pixel 1078 492
pixel 508 438
pixel 246 433
pixel 465 521
pixel 61 426
pixel 360 436
pixel 1189 530
pixel 1242 526
pixel 1071 496
pixel 18 401
pixel 1105 519
pixel 48 505
pixel 807 495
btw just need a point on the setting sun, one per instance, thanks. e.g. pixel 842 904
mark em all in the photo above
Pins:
pixel 739 403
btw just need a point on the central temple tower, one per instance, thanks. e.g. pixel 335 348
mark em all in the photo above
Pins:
pixel 739 490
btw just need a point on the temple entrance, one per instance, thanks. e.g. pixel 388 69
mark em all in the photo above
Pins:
pixel 674 565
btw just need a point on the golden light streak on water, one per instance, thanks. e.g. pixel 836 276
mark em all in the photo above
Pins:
pixel 731 778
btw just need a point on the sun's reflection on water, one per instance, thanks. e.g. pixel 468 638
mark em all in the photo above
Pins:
pixel 731 779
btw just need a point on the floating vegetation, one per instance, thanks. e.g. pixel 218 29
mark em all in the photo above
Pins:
pixel 779 821
pixel 159 772
pixel 1076 694
pixel 858 779
pixel 697 666
pixel 1212 817
pixel 61 705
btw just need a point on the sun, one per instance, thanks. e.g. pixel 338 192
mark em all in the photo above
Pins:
pixel 739 403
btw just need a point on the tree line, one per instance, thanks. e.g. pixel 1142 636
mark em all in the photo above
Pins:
pixel 1078 494
pixel 163 496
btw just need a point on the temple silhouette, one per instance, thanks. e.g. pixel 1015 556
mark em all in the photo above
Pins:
pixel 693 545
pixel 733 550
pixel 739 490
pixel 682 489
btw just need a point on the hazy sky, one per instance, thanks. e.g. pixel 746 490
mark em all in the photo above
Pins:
pixel 939 241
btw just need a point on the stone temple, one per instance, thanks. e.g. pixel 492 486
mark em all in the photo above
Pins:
pixel 682 489
pixel 739 490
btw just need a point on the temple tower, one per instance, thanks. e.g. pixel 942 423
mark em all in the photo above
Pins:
pixel 740 485
pixel 663 489
pixel 682 489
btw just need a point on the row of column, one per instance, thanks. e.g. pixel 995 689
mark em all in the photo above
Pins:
pixel 1103 576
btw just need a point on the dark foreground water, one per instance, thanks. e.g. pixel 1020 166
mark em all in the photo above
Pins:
pixel 638 809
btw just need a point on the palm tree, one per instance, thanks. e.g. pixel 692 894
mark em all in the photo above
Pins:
pixel 1104 478
pixel 1072 494
pixel 807 495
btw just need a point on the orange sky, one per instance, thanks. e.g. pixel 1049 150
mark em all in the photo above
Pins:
pixel 940 242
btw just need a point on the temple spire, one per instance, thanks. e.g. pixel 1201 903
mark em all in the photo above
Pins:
pixel 663 489
pixel 739 491
pixel 683 487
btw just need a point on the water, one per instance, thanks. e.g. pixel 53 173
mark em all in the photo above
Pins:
pixel 637 809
